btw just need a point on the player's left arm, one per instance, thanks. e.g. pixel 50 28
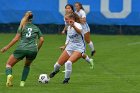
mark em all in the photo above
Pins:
pixel 15 39
pixel 41 41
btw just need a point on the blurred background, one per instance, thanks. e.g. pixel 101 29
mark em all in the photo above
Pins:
pixel 104 16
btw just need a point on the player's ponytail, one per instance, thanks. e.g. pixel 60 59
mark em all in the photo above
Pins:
pixel 30 16
pixel 27 18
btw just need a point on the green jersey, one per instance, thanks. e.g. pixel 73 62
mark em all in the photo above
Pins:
pixel 29 37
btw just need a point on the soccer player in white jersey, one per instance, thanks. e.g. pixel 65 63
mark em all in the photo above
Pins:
pixel 86 30
pixel 74 49
pixel 69 9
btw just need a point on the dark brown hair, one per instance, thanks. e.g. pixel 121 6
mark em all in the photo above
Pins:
pixel 81 6
pixel 71 6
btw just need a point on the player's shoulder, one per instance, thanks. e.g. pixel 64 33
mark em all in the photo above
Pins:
pixel 35 26
pixel 77 24
pixel 82 11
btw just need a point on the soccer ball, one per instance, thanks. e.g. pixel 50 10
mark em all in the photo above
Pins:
pixel 43 78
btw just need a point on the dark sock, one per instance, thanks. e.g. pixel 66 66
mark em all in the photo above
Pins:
pixel 8 71
pixel 25 73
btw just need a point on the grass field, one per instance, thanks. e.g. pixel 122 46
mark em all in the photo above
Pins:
pixel 117 67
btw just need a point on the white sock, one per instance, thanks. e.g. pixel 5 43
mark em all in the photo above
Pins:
pixel 68 69
pixel 87 59
pixel 91 46
pixel 56 67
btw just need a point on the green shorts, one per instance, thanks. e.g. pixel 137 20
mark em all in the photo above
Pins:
pixel 20 54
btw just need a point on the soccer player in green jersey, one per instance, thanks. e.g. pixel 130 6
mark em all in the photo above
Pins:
pixel 28 47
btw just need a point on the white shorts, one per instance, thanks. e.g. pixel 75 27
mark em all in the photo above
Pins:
pixel 70 52
pixel 85 28
pixel 72 47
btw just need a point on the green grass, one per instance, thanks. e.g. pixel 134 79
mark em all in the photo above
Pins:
pixel 117 67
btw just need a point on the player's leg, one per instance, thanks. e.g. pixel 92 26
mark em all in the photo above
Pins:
pixel 30 56
pixel 89 60
pixel 25 72
pixel 68 65
pixel 10 63
pixel 62 59
pixel 90 43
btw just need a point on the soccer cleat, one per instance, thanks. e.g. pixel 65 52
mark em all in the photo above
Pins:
pixel 91 64
pixel 9 81
pixel 53 74
pixel 64 71
pixel 93 52
pixel 66 81
pixel 22 83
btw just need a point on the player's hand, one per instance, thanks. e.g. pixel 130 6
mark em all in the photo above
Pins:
pixel 4 49
pixel 63 32
pixel 62 48
pixel 71 23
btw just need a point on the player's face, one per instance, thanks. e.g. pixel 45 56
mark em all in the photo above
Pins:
pixel 68 9
pixel 77 7
pixel 67 19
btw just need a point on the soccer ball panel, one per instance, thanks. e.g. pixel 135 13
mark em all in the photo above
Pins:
pixel 43 78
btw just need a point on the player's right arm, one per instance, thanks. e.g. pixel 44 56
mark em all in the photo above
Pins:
pixel 15 39
pixel 64 30
pixel 18 35
pixel 66 43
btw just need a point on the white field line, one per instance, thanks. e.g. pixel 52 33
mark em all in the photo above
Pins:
pixel 134 43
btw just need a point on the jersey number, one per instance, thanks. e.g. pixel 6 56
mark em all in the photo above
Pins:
pixel 28 34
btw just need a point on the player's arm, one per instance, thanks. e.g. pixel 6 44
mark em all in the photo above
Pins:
pixel 64 30
pixel 77 28
pixel 64 46
pixel 15 39
pixel 41 41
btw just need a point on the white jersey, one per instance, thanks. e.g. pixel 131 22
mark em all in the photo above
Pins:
pixel 75 40
pixel 85 26
pixel 81 13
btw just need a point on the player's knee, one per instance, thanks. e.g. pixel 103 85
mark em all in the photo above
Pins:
pixel 8 66
pixel 57 65
pixel 68 65
pixel 27 64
